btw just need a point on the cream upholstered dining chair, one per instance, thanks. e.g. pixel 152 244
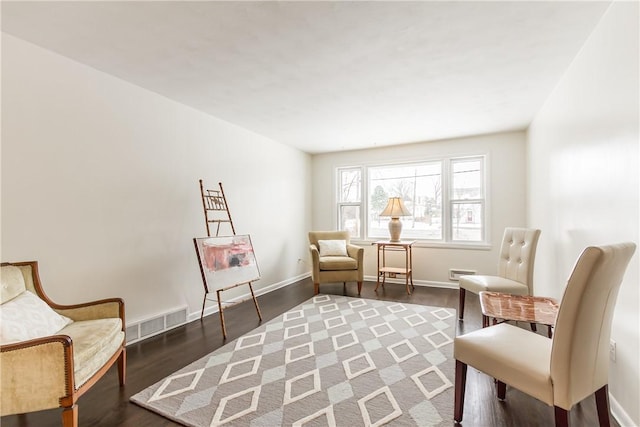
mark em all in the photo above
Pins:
pixel 515 267
pixel 51 354
pixel 334 259
pixel 572 365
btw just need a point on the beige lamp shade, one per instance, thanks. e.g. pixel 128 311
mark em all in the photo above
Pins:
pixel 395 209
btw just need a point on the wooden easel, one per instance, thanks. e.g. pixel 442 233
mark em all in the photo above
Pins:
pixel 216 211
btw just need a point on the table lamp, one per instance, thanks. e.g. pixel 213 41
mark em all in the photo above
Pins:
pixel 395 209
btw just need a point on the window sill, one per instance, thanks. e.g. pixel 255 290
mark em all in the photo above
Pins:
pixel 475 246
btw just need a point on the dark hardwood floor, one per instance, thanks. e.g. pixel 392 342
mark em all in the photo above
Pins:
pixel 106 404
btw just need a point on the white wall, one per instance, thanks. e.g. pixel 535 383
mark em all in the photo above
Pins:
pixel 100 185
pixel 583 179
pixel 506 176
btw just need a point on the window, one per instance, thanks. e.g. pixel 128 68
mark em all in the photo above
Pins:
pixel 446 199
pixel 350 201
pixel 467 200
pixel 419 186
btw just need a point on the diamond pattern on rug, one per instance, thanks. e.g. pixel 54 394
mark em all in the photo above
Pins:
pixel 332 360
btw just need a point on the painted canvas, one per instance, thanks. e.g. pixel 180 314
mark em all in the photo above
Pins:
pixel 226 261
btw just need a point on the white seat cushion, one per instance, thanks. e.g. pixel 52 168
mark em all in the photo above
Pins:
pixel 476 284
pixel 512 355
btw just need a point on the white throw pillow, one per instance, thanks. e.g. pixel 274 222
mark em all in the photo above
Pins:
pixel 333 247
pixel 27 317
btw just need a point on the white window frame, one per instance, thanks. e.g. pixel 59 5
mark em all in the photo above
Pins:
pixel 447 201
pixel 340 204
pixel 482 201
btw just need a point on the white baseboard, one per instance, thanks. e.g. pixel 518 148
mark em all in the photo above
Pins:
pixel 619 414
pixel 213 308
pixel 428 283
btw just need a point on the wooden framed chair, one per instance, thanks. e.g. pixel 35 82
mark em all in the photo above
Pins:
pixel 53 371
pixel 339 262
pixel 515 267
pixel 572 365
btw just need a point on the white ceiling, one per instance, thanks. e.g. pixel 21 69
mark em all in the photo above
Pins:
pixel 327 76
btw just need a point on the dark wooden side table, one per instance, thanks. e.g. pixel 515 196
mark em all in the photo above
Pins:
pixel 384 270
pixel 519 308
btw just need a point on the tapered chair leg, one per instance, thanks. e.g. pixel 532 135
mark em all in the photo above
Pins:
pixel 359 287
pixel 460 384
pixel 70 416
pixel 122 367
pixel 461 304
pixel 602 405
pixel 316 288
pixel 562 417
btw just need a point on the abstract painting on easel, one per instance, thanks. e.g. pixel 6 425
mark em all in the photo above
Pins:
pixel 227 261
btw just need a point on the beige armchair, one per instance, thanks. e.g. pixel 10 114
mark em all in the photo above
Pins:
pixel 53 371
pixel 335 259
pixel 515 267
pixel 574 364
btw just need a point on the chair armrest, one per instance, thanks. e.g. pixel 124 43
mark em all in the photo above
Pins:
pixel 315 262
pixel 36 374
pixel 101 309
pixel 356 252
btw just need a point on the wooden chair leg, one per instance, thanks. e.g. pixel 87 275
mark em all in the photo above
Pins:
pixel 70 416
pixel 22 420
pixel 461 304
pixel 485 321
pixel 359 287
pixel 562 417
pixel 122 367
pixel 316 288
pixel 602 405
pixel 502 390
pixel 460 384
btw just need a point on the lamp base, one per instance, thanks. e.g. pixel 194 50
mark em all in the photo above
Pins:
pixel 395 228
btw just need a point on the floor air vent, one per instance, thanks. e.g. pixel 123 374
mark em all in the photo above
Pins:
pixel 155 325
pixel 455 273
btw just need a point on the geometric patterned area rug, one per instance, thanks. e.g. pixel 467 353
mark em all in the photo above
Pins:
pixel 330 361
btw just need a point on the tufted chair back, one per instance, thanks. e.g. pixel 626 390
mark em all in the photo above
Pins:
pixel 517 255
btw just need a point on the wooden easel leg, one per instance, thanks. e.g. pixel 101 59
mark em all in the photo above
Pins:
pixel 221 311
pixel 255 301
pixel 204 301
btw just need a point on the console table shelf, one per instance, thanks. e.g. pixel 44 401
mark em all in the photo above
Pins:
pixel 385 246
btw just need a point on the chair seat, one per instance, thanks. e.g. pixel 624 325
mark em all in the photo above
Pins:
pixel 94 342
pixel 338 263
pixel 512 355
pixel 476 284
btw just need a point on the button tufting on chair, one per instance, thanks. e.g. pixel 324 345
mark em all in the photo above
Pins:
pixel 511 278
